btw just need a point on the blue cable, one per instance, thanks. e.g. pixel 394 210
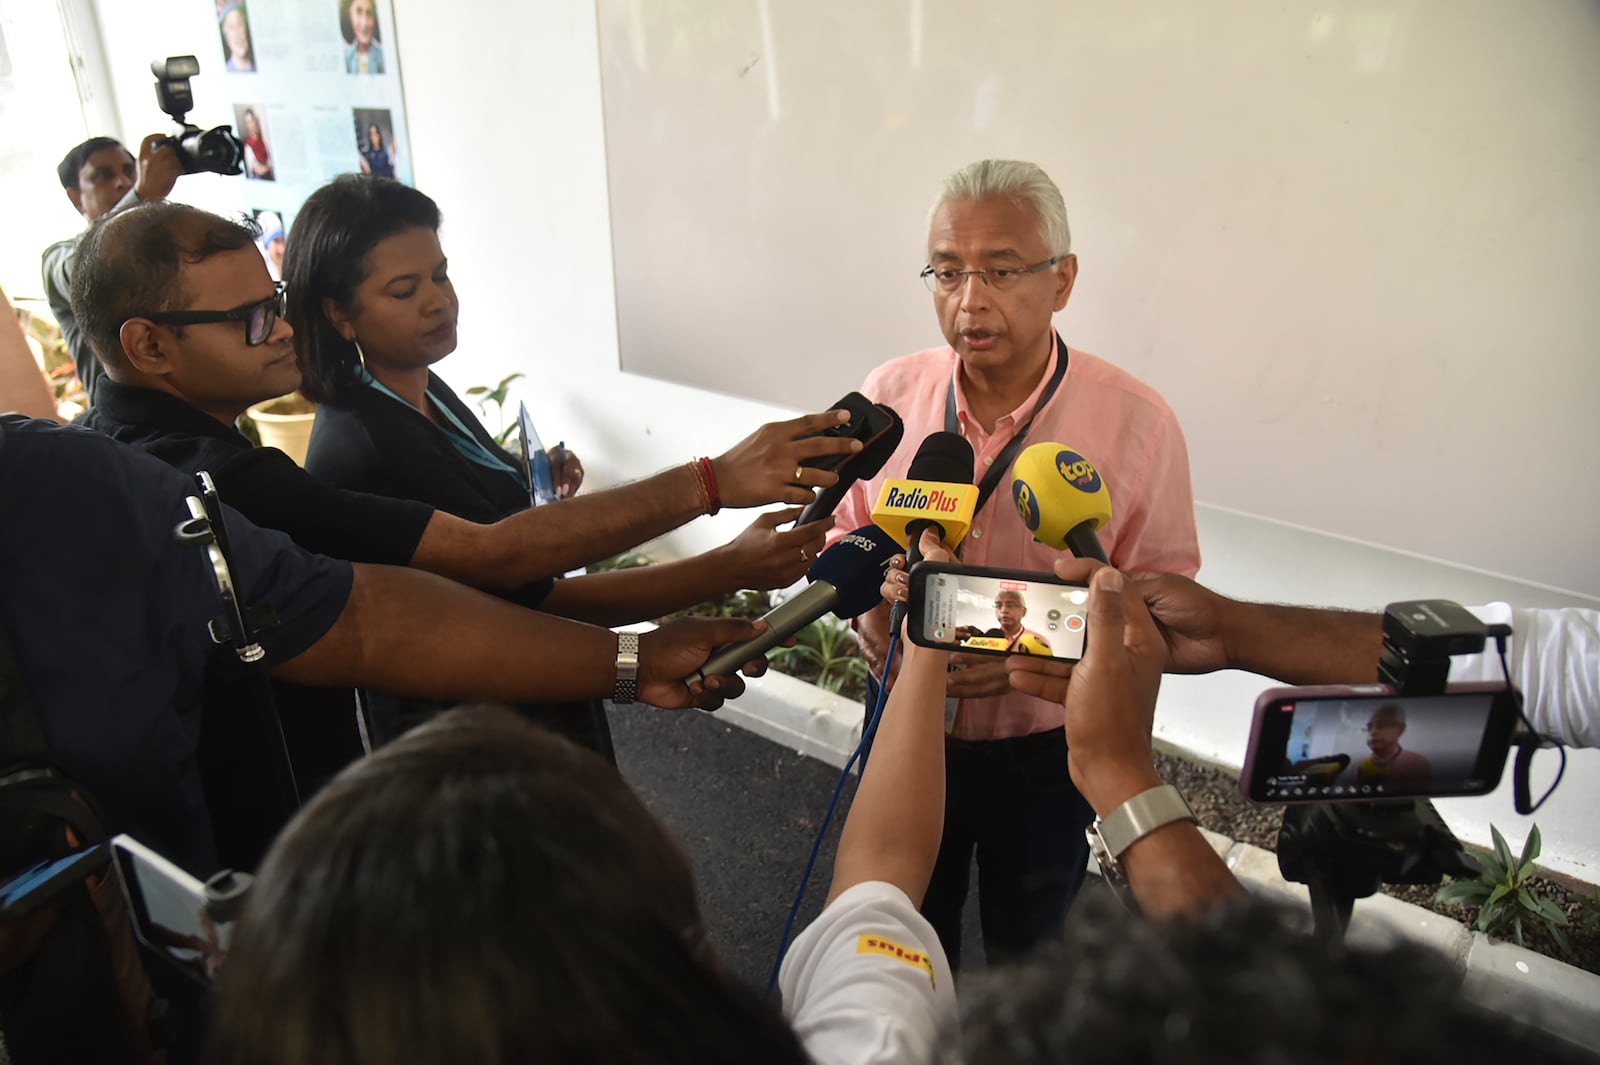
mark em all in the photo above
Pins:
pixel 827 819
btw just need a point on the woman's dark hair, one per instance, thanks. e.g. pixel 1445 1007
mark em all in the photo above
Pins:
pixel 325 258
pixel 481 891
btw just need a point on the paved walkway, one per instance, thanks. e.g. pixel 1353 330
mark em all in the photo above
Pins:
pixel 747 809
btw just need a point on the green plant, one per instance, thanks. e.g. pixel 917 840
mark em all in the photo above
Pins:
pixel 1503 897
pixel 497 396
pixel 827 647
pixel 745 604
pixel 1589 908
pixel 627 560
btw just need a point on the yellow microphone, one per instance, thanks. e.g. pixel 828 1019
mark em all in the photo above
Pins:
pixel 1061 498
pixel 1031 644
pixel 936 493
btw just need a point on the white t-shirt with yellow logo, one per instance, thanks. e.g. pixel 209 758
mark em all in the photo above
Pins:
pixel 868 982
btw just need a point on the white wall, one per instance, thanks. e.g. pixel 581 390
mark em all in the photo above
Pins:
pixel 1353 245
pixel 511 145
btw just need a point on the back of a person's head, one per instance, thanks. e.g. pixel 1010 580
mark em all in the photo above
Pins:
pixel 1243 984
pixel 480 891
pixel 325 259
pixel 131 263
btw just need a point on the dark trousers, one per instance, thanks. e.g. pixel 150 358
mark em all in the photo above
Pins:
pixel 1012 803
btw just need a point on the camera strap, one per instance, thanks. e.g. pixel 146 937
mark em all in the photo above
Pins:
pixel 1002 462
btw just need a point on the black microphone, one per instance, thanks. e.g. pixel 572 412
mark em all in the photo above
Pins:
pixel 863 464
pixel 846 579
pixel 943 459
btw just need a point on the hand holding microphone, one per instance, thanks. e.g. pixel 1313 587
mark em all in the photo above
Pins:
pixel 937 493
pixel 880 432
pixel 845 580
pixel 1061 498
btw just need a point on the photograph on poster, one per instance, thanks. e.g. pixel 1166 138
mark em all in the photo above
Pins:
pixel 375 138
pixel 247 119
pixel 274 230
pixel 233 24
pixel 358 22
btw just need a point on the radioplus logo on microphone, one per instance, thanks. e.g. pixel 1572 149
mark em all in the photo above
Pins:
pixel 1077 471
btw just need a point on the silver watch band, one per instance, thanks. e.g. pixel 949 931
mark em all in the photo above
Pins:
pixel 627 668
pixel 1133 820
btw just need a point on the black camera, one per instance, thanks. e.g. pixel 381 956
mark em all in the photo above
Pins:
pixel 203 151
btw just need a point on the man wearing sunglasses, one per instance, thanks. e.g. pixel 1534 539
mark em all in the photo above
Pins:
pixel 1000 265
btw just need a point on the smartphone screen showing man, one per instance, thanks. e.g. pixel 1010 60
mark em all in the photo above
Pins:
pixel 1366 743
pixel 998 612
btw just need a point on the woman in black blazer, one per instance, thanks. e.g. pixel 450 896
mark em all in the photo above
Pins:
pixel 373 308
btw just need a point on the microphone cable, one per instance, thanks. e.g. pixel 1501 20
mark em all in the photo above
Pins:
pixel 1521 796
pixel 827 818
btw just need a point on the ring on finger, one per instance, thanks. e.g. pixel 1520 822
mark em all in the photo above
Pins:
pixel 805 556
pixel 799 472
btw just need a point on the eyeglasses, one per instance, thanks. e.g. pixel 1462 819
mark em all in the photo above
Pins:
pixel 948 279
pixel 259 318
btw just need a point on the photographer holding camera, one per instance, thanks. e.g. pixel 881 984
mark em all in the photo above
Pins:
pixel 102 177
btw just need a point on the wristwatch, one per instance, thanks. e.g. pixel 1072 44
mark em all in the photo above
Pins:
pixel 627 668
pixel 1138 817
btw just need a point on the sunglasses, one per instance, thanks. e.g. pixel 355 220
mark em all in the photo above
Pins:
pixel 259 318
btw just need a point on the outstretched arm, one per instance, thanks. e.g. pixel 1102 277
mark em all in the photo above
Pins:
pixel 895 823
pixel 1109 708
pixel 1205 631
pixel 760 558
pixel 561 536
pixel 417 634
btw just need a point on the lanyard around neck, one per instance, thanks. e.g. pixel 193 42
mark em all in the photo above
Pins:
pixel 460 437
pixel 1002 462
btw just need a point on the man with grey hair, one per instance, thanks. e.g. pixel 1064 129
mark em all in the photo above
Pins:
pixel 999 266
pixel 1389 762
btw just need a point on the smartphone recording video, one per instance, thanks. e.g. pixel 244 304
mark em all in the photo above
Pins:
pixel 1364 743
pixel 171 912
pixel 980 610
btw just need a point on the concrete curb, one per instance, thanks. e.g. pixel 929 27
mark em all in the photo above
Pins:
pixel 1560 998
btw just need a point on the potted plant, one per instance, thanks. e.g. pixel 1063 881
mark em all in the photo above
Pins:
pixel 285 423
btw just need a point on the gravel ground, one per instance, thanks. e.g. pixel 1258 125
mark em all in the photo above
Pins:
pixel 1214 794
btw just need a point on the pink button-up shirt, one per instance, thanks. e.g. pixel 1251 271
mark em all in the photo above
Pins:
pixel 1109 416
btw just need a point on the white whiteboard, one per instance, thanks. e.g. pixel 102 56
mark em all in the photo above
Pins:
pixel 1357 247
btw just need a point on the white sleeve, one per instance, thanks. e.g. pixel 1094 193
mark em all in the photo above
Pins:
pixel 868 982
pixel 1554 655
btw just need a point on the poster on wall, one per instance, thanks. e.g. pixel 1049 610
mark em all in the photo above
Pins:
pixel 315 90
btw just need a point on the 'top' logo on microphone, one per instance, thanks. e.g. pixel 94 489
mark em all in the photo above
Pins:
pixel 1027 504
pixel 1077 471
